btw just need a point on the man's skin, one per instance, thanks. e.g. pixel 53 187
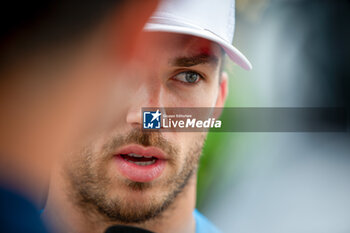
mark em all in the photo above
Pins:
pixel 88 192
pixel 51 95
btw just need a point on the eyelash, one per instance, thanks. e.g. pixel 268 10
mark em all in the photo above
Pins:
pixel 200 77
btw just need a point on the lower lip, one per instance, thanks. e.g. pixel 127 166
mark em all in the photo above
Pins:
pixel 139 173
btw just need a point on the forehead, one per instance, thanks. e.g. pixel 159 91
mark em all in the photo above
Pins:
pixel 174 45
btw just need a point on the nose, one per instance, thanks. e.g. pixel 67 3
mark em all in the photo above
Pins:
pixel 134 118
pixel 148 96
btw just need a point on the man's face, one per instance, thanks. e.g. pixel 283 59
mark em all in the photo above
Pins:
pixel 128 175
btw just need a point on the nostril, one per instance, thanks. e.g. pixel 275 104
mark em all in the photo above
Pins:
pixel 133 118
pixel 135 125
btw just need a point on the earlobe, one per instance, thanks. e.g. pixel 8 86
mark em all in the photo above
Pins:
pixel 223 90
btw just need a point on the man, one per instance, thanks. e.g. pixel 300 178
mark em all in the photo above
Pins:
pixel 148 179
pixel 59 63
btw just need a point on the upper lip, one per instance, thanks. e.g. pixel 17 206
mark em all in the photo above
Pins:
pixel 141 150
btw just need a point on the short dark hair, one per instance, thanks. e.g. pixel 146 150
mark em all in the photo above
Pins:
pixel 222 64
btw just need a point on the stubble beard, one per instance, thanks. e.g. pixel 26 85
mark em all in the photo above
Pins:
pixel 88 181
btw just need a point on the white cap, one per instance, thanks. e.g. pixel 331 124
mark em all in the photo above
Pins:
pixel 210 19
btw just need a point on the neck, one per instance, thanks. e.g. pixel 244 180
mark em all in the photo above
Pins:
pixel 64 216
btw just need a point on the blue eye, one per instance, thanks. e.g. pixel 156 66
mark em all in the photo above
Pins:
pixel 188 77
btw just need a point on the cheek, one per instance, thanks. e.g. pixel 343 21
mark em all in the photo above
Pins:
pixel 178 140
pixel 189 143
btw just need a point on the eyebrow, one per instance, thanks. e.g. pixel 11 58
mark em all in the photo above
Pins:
pixel 188 61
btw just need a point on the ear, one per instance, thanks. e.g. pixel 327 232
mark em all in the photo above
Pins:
pixel 128 22
pixel 223 90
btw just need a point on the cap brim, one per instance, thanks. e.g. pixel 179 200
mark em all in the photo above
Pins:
pixel 234 54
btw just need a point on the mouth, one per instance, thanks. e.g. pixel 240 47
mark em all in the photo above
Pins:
pixel 139 163
pixel 139 159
